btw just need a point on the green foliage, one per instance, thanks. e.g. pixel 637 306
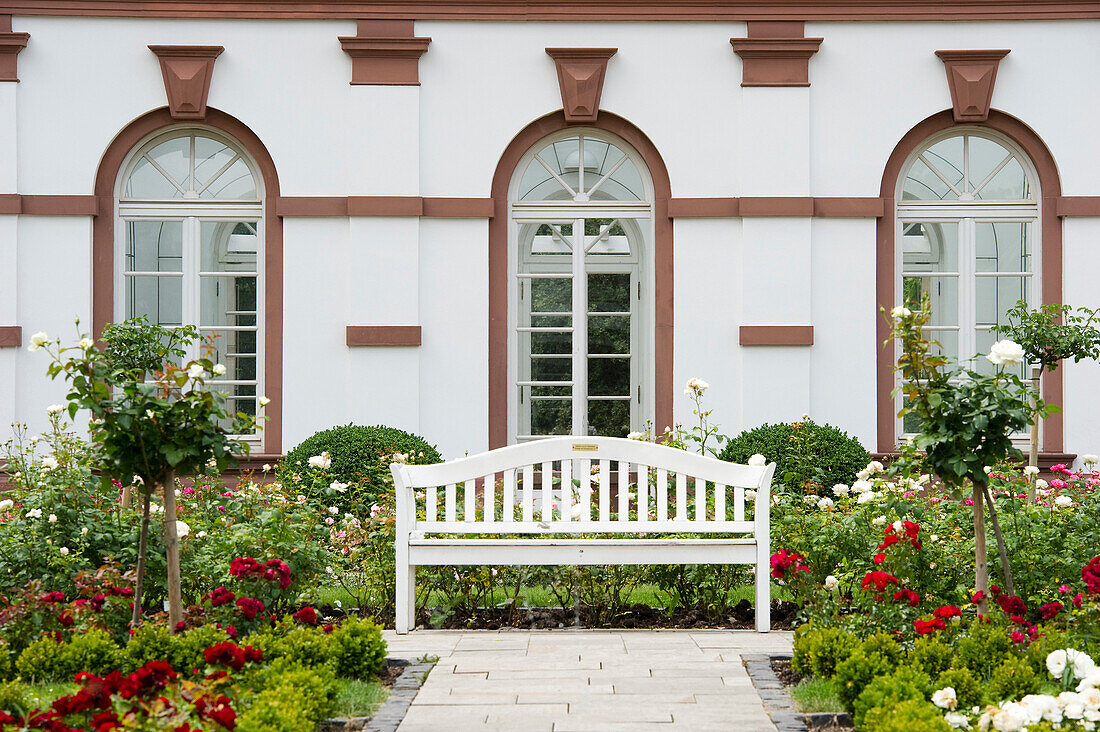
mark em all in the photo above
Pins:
pixel 357 648
pixel 804 452
pixel 188 647
pixel 7 660
pixel 1049 640
pixel 930 656
pixel 1053 332
pixel 912 715
pixel 13 698
pixel 149 642
pixel 817 651
pixel 93 651
pixel 291 698
pixel 856 672
pixel 889 691
pixel 136 347
pixel 303 646
pixel 816 695
pixel 883 644
pixel 982 647
pixel 968 690
pixel 41 661
pixel 1013 679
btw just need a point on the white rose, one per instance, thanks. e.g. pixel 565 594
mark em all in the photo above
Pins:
pixel 945 698
pixel 957 720
pixel 987 469
pixel 64 551
pixel 1089 459
pixel 338 486
pixel 825 504
pixel 841 489
pixel 863 474
pixel 831 583
pixel 264 401
pixel 1005 352
pixel 875 466
pixel 1040 483
pixel 696 387
pixel 1031 470
pixel 878 521
pixel 750 495
pixel 34 513
pixel 867 497
pixel 322 461
pixel 861 486
pixel 55 409
pixel 333 510
pixel 182 529
pixel 901 312
pixel 266 467
pixel 200 535
pixel 898 525
pixel 195 370
pixel 84 531
pixel 758 460
pixel 6 504
pixel 49 462
pixel 1056 663
pixel 86 343
pixel 1080 662
pixel 38 340
pixel 52 518
pixel 219 369
pixel 635 436
pixel 576 510
pixel 1063 501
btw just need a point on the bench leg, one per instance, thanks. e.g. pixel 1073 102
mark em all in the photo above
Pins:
pixel 406 597
pixel 763 597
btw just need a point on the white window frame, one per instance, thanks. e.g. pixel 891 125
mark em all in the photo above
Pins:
pixel 966 214
pixel 640 261
pixel 193 213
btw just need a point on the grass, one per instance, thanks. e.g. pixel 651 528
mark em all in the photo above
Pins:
pixel 359 698
pixel 817 695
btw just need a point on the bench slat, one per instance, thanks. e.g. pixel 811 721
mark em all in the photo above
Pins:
pixel 508 503
pixel 719 502
pixel 605 490
pixel 738 503
pixel 565 504
pixel 700 498
pixel 520 553
pixel 624 490
pixel 470 493
pixel 585 468
pixel 643 492
pixel 547 491
pixel 449 501
pixel 581 527
pixel 528 493
pixel 490 486
pixel 662 495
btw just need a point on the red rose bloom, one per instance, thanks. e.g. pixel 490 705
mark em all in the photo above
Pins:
pixel 1011 604
pixel 880 558
pixel 947 611
pixel 250 607
pixel 306 616
pixel 879 580
pixel 220 596
pixel 1051 610
pixel 977 597
pixel 907 596
pixel 783 561
pixel 924 627
pixel 1090 573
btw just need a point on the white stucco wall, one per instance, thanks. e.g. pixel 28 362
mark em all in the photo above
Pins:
pixel 482 83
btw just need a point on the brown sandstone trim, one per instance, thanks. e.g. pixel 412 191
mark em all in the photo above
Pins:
pixel 776 335
pixel 11 336
pixel 385 53
pixel 383 335
pixel 10 46
pixel 1077 206
pixel 430 207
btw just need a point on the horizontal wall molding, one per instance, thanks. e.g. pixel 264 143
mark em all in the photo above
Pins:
pixel 777 335
pixel 430 207
pixel 48 205
pixel 562 10
pixel 383 335
pixel 765 206
pixel 11 336
pixel 1077 206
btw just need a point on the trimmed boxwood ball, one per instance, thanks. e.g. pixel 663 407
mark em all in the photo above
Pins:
pixel 356 452
pixel 817 453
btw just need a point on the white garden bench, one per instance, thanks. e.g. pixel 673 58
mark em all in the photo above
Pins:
pixel 511 491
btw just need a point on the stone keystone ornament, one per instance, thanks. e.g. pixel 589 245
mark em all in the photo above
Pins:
pixel 580 76
pixel 187 71
pixel 970 76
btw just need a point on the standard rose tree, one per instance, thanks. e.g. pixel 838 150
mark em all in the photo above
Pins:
pixel 150 425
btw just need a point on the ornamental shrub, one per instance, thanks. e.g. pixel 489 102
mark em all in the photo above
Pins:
pixel 968 691
pixel 1050 639
pixel 889 691
pixel 6 660
pixel 856 672
pixel 1013 679
pixel 188 648
pixel 982 648
pixel 93 651
pixel 803 453
pixel 41 660
pixel 13 698
pixel 303 646
pixel 291 698
pixel 817 651
pixel 149 642
pixel 913 715
pixel 931 656
pixel 884 644
pixel 357 649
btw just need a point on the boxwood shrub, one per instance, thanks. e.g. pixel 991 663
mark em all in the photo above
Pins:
pixel 806 454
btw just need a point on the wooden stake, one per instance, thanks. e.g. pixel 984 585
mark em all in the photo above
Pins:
pixel 1033 455
pixel 143 543
pixel 172 549
pixel 981 565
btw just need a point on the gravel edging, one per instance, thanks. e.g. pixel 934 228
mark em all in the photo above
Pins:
pixel 392 711
pixel 778 702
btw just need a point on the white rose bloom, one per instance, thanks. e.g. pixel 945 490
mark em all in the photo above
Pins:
pixel 945 698
pixel 901 312
pixel 322 461
pixel 987 470
pixel 1004 720
pixel 934 538
pixel 200 535
pixel 1081 663
pixel 6 504
pixel 182 529
pixel 195 370
pixel 875 466
pixel 84 531
pixel 219 369
pixel 338 486
pixel 878 521
pixel 831 583
pixel 86 343
pixel 1089 459
pixel 867 497
pixel 1031 470
pixel 750 495
pixel 840 489
pixel 1091 680
pixel 1005 352
pixel 1056 663
pixel 576 510
pixel 957 720
pixel 64 551
pixel 758 460
pixel 55 409
pixel 825 504
pixel 1063 501
pixel 1040 483
pixel 34 513
pixel 49 462
pixel 38 340
pixel 266 467
pixel 861 486
pixel 635 436
pixel 696 387
pixel 400 457
pixel 898 525
pixel 52 518
pixel 333 510
pixel 264 401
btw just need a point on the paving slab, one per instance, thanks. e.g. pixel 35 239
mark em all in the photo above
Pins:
pixel 564 680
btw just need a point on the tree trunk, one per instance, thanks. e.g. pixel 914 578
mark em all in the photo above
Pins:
pixel 1002 550
pixel 172 549
pixel 143 543
pixel 1033 454
pixel 981 566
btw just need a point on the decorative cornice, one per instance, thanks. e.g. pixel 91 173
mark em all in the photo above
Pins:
pixel 187 71
pixel 760 206
pixel 11 336
pixel 385 53
pixel 383 335
pixel 430 207
pixel 775 54
pixel 581 73
pixel 777 335
pixel 971 76
pixel 10 46
pixel 569 10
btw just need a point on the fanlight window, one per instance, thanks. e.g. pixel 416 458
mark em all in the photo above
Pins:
pixel 967 167
pixel 556 173
pixel 191 167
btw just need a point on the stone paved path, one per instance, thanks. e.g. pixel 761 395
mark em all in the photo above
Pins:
pixel 563 680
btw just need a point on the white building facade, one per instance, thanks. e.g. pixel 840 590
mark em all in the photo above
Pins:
pixel 490 221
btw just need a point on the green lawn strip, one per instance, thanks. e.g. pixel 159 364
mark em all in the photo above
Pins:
pixel 359 698
pixel 817 695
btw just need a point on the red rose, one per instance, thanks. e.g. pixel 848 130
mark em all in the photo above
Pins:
pixel 879 580
pixel 977 597
pixel 907 596
pixel 947 611
pixel 1051 610
pixel 880 558
pixel 306 616
pixel 220 596
pixel 1090 573
pixel 250 607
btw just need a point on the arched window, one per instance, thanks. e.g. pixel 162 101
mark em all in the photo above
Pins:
pixel 581 207
pixel 189 249
pixel 968 209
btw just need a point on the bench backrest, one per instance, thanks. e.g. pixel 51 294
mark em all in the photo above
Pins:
pixel 519 489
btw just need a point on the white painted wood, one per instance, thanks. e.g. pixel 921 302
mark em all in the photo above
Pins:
pixel 738 504
pixel 522 546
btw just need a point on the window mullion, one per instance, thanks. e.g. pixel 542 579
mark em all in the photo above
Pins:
pixel 191 285
pixel 580 332
pixel 968 297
